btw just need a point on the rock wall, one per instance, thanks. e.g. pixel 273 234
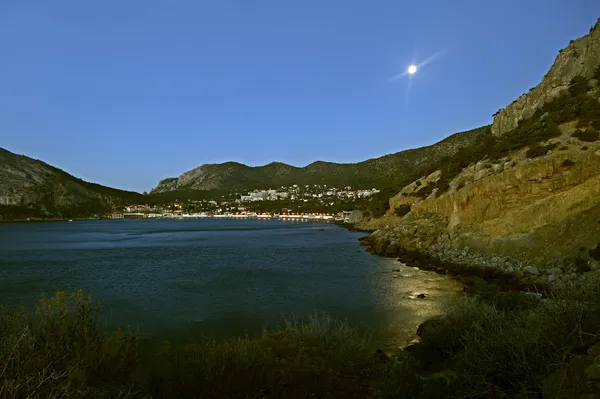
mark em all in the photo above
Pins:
pixel 580 57
pixel 517 215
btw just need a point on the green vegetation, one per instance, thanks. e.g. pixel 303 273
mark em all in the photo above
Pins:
pixel 402 210
pixel 61 350
pixel 586 135
pixel 597 73
pixel 507 344
pixel 493 344
pixel 537 150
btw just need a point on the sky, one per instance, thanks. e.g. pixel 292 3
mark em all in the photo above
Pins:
pixel 125 93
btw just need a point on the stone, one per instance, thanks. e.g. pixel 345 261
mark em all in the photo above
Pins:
pixel 532 270
pixel 554 270
pixel 552 278
pixel 480 175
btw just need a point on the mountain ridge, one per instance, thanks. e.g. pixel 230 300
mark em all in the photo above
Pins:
pixel 32 188
pixel 374 171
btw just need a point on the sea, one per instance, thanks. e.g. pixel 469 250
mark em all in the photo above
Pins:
pixel 180 279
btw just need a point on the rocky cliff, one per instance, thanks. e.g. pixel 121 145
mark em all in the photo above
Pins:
pixel 528 202
pixel 32 188
pixel 375 172
pixel 580 58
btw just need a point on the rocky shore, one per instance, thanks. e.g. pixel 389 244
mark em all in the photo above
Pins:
pixel 467 263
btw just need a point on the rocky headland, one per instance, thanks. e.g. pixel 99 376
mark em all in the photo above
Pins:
pixel 526 203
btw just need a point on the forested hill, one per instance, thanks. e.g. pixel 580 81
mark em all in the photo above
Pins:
pixel 377 172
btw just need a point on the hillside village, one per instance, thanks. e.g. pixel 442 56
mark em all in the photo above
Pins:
pixel 288 201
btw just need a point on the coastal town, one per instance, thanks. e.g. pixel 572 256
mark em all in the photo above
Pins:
pixel 259 204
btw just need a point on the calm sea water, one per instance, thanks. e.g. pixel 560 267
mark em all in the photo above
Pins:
pixel 219 277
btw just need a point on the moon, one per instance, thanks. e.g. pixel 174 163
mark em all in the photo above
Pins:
pixel 412 69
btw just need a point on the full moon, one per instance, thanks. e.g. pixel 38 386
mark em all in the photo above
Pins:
pixel 412 69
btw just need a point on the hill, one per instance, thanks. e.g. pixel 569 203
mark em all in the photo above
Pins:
pixel 378 172
pixel 30 188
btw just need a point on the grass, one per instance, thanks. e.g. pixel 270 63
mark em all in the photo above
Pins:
pixel 493 344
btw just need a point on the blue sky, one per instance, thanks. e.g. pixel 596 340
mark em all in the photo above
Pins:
pixel 125 93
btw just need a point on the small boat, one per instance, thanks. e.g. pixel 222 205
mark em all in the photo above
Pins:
pixel 70 220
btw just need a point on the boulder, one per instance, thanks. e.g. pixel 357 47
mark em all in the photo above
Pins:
pixel 532 270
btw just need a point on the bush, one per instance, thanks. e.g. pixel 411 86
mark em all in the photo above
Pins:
pixel 61 350
pixel 582 123
pixel 402 210
pixel 503 346
pixel 567 163
pixel 595 253
pixel 597 73
pixel 539 150
pixel 586 135
pixel 578 86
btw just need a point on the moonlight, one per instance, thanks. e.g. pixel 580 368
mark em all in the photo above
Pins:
pixel 412 69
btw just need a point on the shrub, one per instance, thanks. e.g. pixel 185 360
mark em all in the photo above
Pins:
pixel 596 124
pixel 596 74
pixel 61 348
pixel 402 210
pixel 539 150
pixel 418 183
pixel 503 346
pixel 586 135
pixel 568 163
pixel 563 148
pixel 584 148
pixel 581 123
pixel 578 86
pixel 595 253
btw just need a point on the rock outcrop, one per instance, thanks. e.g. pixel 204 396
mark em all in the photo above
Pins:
pixel 580 57
pixel 526 203
pixel 510 214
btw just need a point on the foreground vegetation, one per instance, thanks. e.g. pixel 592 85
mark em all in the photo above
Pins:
pixel 494 344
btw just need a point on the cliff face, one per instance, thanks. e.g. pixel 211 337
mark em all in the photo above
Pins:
pixel 580 57
pixel 526 198
pixel 539 211
pixel 377 172
pixel 32 188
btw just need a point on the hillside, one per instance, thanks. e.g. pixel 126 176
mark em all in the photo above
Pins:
pixel 378 172
pixel 32 188
pixel 527 200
